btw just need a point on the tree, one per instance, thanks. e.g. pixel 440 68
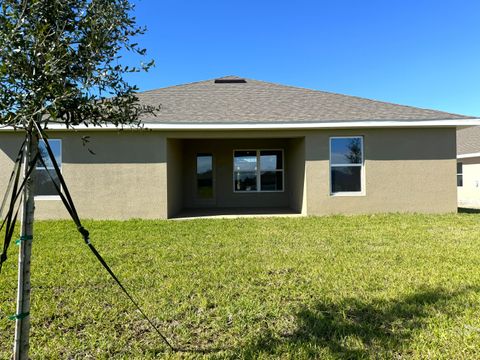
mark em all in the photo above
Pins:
pixel 355 151
pixel 60 62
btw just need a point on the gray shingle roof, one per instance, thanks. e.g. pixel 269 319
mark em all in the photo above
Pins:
pixel 262 102
pixel 468 140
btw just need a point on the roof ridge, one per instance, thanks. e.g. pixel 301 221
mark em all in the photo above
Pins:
pixel 229 77
pixel 195 82
pixel 177 85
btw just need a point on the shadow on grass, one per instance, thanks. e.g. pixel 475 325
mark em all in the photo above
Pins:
pixel 355 329
pixel 349 329
pixel 462 210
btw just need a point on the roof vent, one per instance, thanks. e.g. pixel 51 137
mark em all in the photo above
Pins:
pixel 230 80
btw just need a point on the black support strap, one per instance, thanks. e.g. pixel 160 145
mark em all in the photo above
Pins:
pixel 70 206
pixel 15 188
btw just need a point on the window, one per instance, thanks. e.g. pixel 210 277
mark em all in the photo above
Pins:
pixel 459 174
pixel 258 170
pixel 204 176
pixel 271 170
pixel 346 165
pixel 43 182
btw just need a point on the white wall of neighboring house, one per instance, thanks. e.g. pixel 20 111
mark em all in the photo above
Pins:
pixel 469 192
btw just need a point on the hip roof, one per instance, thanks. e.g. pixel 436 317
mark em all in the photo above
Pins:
pixel 236 100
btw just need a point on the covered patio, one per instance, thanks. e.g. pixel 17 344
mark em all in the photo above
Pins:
pixel 235 177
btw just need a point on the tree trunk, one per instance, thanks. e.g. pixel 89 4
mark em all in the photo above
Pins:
pixel 22 325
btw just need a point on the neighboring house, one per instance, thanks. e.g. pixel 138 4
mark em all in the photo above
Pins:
pixel 468 167
pixel 233 143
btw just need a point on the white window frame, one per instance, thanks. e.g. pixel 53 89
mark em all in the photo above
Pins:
pixel 362 191
pixel 51 197
pixel 258 172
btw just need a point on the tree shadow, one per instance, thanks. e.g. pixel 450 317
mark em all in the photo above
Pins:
pixel 354 329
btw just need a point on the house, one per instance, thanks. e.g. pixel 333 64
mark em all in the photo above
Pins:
pixel 238 144
pixel 468 167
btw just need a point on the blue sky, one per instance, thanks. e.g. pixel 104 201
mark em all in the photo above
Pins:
pixel 420 53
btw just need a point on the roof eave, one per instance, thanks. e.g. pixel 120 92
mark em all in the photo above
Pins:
pixel 469 155
pixel 457 123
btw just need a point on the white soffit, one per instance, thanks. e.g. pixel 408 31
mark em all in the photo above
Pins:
pixel 278 126
pixel 470 155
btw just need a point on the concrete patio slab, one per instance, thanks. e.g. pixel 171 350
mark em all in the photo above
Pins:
pixel 232 213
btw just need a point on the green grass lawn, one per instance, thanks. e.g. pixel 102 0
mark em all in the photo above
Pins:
pixel 385 286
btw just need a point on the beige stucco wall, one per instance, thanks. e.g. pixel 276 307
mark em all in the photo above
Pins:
pixel 174 176
pixel 295 176
pixel 126 178
pixel 469 193
pixel 406 170
pixel 9 146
